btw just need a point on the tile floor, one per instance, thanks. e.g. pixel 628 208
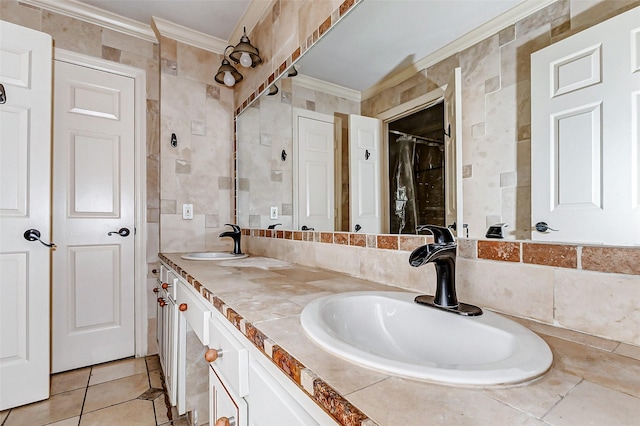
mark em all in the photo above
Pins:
pixel 125 392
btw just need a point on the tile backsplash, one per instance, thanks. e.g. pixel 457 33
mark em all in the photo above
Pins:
pixel 590 289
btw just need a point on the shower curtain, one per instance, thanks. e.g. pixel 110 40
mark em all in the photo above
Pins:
pixel 405 205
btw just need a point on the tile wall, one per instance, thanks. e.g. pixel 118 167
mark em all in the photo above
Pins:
pixel 199 169
pixel 590 289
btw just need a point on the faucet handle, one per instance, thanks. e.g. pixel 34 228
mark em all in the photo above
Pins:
pixel 235 227
pixel 441 234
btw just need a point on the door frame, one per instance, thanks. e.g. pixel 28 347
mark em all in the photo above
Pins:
pixel 140 154
pixel 392 114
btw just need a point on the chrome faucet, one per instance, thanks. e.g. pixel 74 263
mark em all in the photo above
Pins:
pixel 443 254
pixel 235 234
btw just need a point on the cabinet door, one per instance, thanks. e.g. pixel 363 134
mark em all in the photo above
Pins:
pixel 271 404
pixel 223 405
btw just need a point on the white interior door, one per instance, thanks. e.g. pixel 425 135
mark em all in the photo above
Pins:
pixel 585 99
pixel 315 171
pixel 93 280
pixel 365 174
pixel 453 153
pixel 25 203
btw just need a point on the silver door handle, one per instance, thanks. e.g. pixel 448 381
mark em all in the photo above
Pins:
pixel 123 232
pixel 34 235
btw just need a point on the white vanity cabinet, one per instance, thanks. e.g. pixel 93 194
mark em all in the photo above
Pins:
pixel 245 387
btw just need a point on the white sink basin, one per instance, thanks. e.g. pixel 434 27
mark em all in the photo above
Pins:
pixel 212 255
pixel 389 332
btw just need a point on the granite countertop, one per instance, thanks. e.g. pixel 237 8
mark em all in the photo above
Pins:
pixel 591 381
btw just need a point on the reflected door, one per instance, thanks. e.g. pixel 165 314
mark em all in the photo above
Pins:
pixel 93 280
pixel 365 174
pixel 315 171
pixel 585 99
pixel 25 203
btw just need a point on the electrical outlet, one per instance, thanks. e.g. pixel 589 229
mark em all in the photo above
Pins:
pixel 187 211
pixel 274 212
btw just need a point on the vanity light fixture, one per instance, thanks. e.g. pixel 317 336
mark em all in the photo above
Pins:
pixel 292 72
pixel 244 53
pixel 227 74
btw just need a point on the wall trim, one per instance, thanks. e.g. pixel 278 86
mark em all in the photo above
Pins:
pixel 188 36
pixel 122 24
pixel 483 32
pixel 140 234
pixel 326 87
pixel 97 16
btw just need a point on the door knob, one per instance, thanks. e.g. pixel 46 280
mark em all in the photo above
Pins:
pixel 123 232
pixel 225 421
pixel 543 227
pixel 34 235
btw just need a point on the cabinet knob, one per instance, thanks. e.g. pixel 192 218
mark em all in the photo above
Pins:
pixel 212 354
pixel 161 302
pixel 166 285
pixel 183 307
pixel 226 421
pixel 156 289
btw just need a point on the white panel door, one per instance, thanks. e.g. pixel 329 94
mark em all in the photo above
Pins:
pixel 365 174
pixel 93 279
pixel 453 153
pixel 585 98
pixel 25 203
pixel 315 184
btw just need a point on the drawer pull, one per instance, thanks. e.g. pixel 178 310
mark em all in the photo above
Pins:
pixel 183 307
pixel 166 285
pixel 226 421
pixel 156 289
pixel 212 354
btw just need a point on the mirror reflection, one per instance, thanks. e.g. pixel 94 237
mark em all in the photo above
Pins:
pixel 303 165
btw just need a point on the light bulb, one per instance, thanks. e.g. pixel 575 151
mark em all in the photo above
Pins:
pixel 228 79
pixel 245 60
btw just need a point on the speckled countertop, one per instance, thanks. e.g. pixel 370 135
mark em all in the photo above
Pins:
pixel 592 380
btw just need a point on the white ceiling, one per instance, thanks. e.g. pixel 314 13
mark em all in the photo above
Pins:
pixel 382 36
pixel 217 18
pixel 376 39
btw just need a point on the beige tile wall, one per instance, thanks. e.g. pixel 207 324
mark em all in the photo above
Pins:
pixel 199 169
pixel 523 279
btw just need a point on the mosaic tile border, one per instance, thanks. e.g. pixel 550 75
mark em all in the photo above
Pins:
pixel 318 390
pixel 312 39
pixel 616 260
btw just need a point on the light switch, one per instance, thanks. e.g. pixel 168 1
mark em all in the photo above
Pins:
pixel 187 211
pixel 274 212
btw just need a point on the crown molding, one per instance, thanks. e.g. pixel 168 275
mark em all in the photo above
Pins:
pixel 483 32
pixel 251 17
pixel 326 87
pixel 188 36
pixel 97 16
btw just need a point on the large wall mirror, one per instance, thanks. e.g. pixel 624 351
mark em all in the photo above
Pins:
pixel 309 158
